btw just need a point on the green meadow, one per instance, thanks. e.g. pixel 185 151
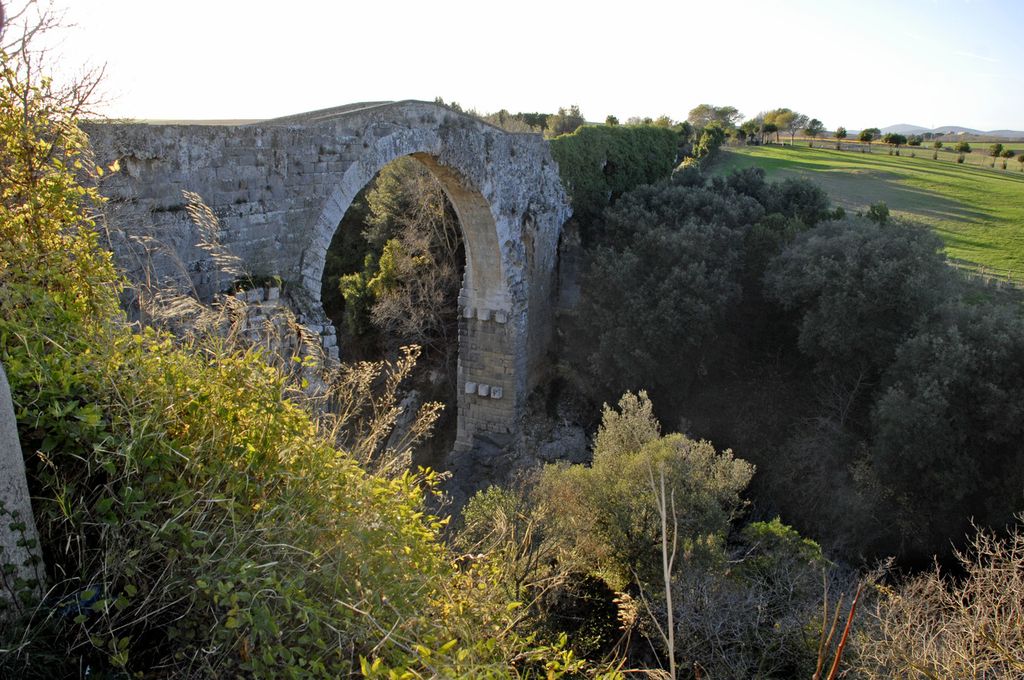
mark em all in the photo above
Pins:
pixel 978 211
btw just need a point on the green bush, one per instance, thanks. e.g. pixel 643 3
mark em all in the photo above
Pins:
pixel 860 289
pixel 193 518
pixel 598 163
pixel 606 511
pixel 673 262
pixel 947 427
pixel 744 604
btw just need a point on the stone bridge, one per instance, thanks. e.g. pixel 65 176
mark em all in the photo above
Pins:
pixel 281 187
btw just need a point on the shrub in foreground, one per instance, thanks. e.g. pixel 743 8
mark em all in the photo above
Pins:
pixel 194 520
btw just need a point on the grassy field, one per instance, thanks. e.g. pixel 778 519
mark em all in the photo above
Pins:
pixel 978 211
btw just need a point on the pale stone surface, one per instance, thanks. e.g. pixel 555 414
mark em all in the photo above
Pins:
pixel 14 495
pixel 281 187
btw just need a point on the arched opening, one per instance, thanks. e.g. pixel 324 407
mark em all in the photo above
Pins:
pixel 487 368
pixel 392 277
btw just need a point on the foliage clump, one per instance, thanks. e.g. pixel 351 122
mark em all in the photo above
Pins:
pixel 860 289
pixel 643 542
pixel 405 290
pixel 841 353
pixel 195 518
pixel 598 163
pixel 673 261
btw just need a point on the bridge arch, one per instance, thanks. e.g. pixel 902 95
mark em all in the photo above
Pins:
pixel 281 187
pixel 484 283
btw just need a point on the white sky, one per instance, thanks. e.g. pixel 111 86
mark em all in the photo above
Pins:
pixel 855 63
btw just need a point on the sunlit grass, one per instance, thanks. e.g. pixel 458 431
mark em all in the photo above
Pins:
pixel 978 211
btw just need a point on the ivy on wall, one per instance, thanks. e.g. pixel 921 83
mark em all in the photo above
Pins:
pixel 600 162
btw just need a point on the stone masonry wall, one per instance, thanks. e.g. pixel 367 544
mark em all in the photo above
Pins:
pixel 280 188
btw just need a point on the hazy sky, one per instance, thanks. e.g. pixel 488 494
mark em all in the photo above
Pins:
pixel 855 63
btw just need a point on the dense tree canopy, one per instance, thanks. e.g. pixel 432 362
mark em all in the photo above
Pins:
pixel 598 163
pixel 860 289
pixel 894 140
pixel 668 270
pixel 703 115
pixel 949 428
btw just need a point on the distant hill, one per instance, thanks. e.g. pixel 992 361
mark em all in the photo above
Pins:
pixel 958 130
pixel 905 129
pixel 1009 134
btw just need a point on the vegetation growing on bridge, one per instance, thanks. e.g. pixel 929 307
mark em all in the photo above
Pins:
pixel 598 163
pixel 198 517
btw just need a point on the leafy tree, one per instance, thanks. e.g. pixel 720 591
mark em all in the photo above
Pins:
pixel 739 609
pixel 663 276
pixel 710 140
pixel 751 129
pixel 785 119
pixel 673 259
pixel 814 128
pixel 685 132
pixel 995 149
pixel 355 290
pixel 606 512
pixel 859 289
pixel 767 130
pixel 534 120
pixel 703 115
pixel 878 213
pixel 840 135
pixel 915 140
pixel 963 147
pixel 782 118
pixel 948 428
pixel 936 145
pixel 868 135
pixel 895 141
pixel 565 121
pixel 611 120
